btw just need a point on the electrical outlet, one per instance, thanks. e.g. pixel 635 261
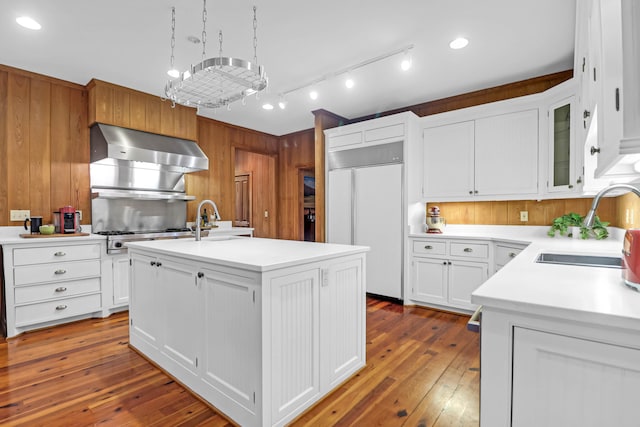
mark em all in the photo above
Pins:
pixel 266 214
pixel 524 216
pixel 20 215
pixel 79 215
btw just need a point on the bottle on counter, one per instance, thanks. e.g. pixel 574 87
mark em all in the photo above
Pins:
pixel 205 219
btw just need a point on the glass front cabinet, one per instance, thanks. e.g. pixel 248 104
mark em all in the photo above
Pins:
pixel 565 175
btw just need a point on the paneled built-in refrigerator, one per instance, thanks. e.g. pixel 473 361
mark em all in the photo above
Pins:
pixel 364 207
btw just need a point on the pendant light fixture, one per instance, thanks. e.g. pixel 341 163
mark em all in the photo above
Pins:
pixel 218 81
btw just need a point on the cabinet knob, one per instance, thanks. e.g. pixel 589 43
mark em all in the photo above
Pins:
pixel 470 192
pixel 586 114
pixel 153 263
pixel 594 150
pixel 60 271
pixel 61 289
pixel 512 255
pixel 158 263
pixel 449 262
pixel 428 247
pixel 468 250
pixel 61 307
pixel 475 191
pixel 200 274
pixel 444 262
pixel 60 253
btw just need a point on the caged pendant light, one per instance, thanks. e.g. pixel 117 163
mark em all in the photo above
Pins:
pixel 218 81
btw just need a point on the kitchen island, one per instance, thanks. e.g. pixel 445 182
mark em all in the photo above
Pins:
pixel 259 328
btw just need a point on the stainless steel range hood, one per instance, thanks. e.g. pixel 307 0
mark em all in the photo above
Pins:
pixel 113 145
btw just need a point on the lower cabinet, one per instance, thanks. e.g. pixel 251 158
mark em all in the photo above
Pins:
pixel 506 252
pixel 539 370
pixel 260 347
pixel 561 380
pixel 448 281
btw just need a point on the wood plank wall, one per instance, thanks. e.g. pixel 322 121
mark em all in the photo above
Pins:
pixel 221 142
pixel 44 145
pixel 262 169
pixel 296 151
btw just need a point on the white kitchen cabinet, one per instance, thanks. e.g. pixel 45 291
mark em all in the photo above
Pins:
pixel 121 280
pixel 448 160
pixel 145 306
pixel 564 165
pixel 49 283
pixel 231 354
pixel 445 272
pixel 561 380
pixel 260 347
pixel 614 66
pixel 504 253
pixel 490 156
pixel 382 130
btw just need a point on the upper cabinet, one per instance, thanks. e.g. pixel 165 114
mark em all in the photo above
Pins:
pixel 608 66
pixel 493 155
pixel 120 106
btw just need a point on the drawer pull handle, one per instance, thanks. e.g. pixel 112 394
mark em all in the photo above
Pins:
pixel 512 254
pixel 153 263
pixel 61 307
pixel 428 247
pixel 61 289
pixel 60 271
pixel 468 250
pixel 59 254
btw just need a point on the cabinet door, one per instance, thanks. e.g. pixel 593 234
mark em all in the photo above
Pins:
pixel 562 149
pixel 609 101
pixel 342 308
pixel 378 224
pixel 295 325
pixel 182 314
pixel 506 154
pixel 448 160
pixel 121 280
pixel 429 277
pixel 464 278
pixel 565 381
pixel 145 303
pixel 339 207
pixel 232 329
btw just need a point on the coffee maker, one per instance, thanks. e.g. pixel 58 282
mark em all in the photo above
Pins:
pixel 66 220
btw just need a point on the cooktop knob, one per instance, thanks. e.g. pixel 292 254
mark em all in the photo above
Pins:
pixel 118 244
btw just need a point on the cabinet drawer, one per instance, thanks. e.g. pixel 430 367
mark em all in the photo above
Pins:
pixel 470 250
pixel 56 272
pixel 346 139
pixel 504 254
pixel 48 291
pixel 58 309
pixel 429 247
pixel 30 256
pixel 386 132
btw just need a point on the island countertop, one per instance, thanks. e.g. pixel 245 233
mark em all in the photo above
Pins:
pixel 249 253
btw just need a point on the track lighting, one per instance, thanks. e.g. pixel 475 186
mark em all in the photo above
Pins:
pixel 458 43
pixel 406 61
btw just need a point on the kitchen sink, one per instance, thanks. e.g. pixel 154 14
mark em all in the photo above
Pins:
pixel 580 260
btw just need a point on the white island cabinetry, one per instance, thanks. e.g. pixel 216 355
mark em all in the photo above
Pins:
pixel 259 328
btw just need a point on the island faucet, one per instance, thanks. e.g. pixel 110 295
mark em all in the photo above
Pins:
pixel 216 213
pixel 591 215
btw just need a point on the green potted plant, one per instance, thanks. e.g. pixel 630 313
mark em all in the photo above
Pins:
pixel 571 223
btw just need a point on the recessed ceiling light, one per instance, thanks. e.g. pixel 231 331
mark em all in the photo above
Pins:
pixel 29 23
pixel 174 73
pixel 407 61
pixel 458 43
pixel 267 106
pixel 349 83
pixel 313 94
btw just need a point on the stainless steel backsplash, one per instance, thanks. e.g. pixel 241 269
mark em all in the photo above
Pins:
pixel 137 215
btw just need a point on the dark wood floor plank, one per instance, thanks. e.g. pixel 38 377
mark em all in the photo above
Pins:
pixel 422 370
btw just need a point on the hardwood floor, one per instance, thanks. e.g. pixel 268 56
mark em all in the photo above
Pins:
pixel 422 370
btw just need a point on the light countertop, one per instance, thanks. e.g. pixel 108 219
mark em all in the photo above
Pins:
pixel 254 254
pixel 581 293
pixel 11 236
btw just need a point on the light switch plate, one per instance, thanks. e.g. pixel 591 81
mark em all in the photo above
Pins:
pixel 20 215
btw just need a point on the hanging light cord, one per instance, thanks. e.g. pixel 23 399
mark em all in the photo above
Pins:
pixel 173 34
pixel 255 37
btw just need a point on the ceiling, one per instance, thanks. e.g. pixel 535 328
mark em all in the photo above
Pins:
pixel 127 42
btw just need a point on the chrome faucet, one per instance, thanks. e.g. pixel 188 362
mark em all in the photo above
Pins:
pixel 216 213
pixel 591 215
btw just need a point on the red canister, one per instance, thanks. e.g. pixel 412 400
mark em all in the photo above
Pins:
pixel 631 258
